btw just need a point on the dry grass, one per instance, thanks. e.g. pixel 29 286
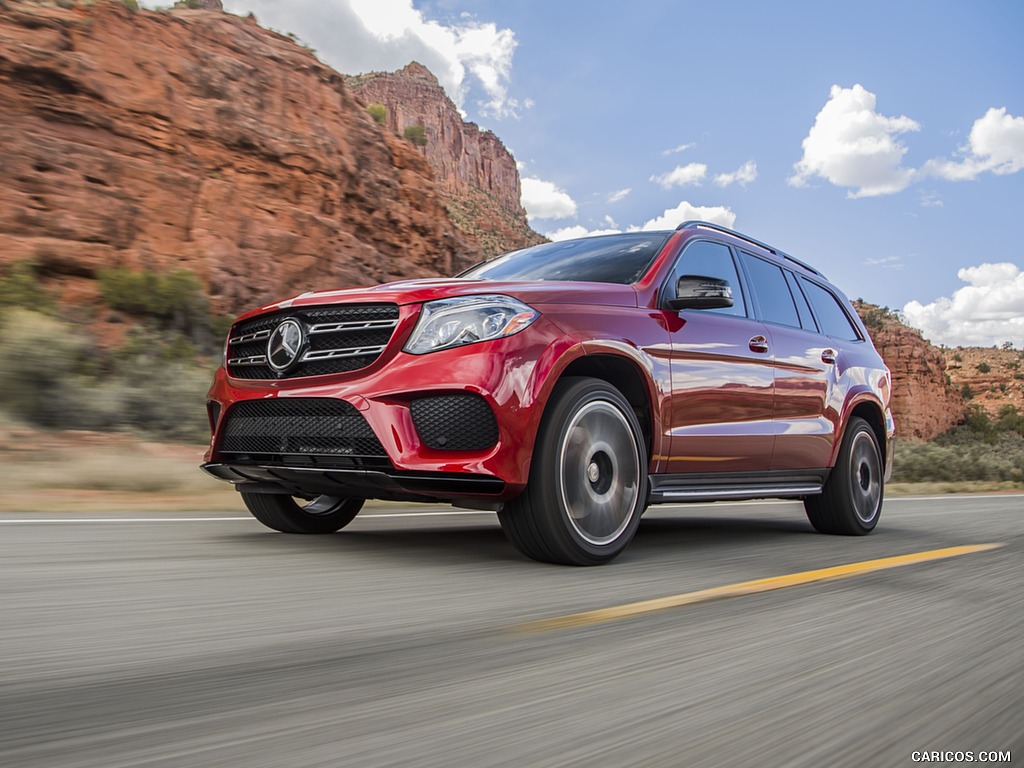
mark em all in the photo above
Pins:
pixel 90 471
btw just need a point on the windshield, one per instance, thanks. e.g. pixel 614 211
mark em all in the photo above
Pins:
pixel 605 259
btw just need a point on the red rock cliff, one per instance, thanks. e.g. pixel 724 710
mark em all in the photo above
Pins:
pixel 924 404
pixel 476 172
pixel 197 139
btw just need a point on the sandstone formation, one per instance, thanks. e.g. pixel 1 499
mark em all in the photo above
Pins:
pixel 477 174
pixel 197 139
pixel 924 403
pixel 991 378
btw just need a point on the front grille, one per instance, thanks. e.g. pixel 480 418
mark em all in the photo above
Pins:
pixel 282 429
pixel 455 422
pixel 337 339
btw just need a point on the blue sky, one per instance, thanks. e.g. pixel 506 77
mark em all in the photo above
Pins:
pixel 882 142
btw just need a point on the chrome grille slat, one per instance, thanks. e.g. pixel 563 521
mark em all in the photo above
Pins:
pixel 334 354
pixel 250 337
pixel 256 360
pixel 351 326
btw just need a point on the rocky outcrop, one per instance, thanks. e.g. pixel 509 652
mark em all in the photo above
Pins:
pixel 477 174
pixel 991 378
pixel 924 402
pixel 196 139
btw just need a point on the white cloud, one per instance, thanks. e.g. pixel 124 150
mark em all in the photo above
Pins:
pixel 886 262
pixel 988 310
pixel 544 200
pixel 693 173
pixel 996 144
pixel 673 217
pixel 577 230
pixel 677 150
pixel 743 175
pixel 852 145
pixel 356 36
pixel 619 196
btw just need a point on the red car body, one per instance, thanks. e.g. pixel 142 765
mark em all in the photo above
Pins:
pixel 720 415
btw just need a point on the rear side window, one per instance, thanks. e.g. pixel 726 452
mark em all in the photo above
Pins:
pixel 833 320
pixel 773 296
pixel 709 259
pixel 806 318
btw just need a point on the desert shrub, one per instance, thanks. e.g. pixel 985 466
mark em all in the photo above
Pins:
pixel 43 364
pixel 167 401
pixel 174 301
pixel 932 462
pixel 417 134
pixel 966 392
pixel 50 377
pixel 982 448
pixel 984 367
pixel 20 286
pixel 378 112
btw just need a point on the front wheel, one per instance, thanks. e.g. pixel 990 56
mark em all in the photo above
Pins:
pixel 324 514
pixel 588 479
pixel 851 501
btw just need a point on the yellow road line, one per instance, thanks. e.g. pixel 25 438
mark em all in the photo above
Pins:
pixel 629 610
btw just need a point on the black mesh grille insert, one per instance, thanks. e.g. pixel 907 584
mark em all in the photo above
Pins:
pixel 338 339
pixel 455 422
pixel 302 426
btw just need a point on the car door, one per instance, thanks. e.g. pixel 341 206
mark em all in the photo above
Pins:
pixel 722 384
pixel 804 367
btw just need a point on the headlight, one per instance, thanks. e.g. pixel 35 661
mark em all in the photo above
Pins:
pixel 447 323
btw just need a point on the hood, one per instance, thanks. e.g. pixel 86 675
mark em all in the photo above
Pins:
pixel 536 293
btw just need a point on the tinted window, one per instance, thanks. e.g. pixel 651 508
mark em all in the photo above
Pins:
pixel 773 296
pixel 806 318
pixel 710 260
pixel 829 311
pixel 608 259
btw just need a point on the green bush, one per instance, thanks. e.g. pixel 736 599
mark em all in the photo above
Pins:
pixel 378 112
pixel 20 287
pixel 417 134
pixel 44 365
pixel 175 301
pixel 49 377
pixel 981 448
pixel 984 367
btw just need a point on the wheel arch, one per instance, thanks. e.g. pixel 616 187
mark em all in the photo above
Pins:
pixel 629 379
pixel 871 411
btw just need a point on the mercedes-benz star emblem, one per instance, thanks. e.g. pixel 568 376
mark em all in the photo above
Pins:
pixel 284 345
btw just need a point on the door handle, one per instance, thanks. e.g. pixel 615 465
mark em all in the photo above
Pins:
pixel 828 356
pixel 758 344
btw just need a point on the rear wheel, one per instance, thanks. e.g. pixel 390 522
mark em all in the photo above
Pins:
pixel 324 514
pixel 588 479
pixel 852 498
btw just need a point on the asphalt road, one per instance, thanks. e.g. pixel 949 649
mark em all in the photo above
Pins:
pixel 203 640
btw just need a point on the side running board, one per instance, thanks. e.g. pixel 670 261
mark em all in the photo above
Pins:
pixel 677 489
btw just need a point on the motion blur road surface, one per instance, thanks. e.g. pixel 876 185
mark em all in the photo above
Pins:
pixel 208 640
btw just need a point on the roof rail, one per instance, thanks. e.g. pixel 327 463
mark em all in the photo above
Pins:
pixel 747 238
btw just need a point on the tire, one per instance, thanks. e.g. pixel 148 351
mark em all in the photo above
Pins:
pixel 851 502
pixel 588 479
pixel 324 514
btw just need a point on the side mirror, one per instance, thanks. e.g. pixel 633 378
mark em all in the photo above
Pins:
pixel 700 292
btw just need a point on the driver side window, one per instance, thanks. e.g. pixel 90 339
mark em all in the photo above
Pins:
pixel 710 260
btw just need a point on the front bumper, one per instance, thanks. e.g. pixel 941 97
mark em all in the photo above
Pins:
pixel 414 462
pixel 396 486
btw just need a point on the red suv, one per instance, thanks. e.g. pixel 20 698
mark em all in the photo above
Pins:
pixel 566 386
